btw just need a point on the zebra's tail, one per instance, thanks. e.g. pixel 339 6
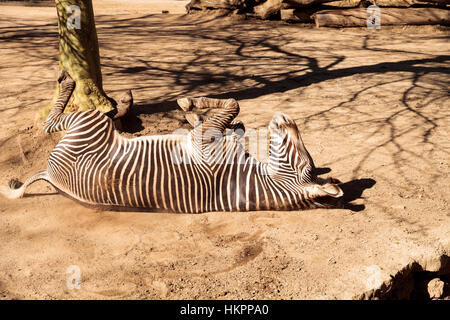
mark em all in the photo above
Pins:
pixel 16 189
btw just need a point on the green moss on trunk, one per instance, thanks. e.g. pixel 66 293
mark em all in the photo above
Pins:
pixel 79 56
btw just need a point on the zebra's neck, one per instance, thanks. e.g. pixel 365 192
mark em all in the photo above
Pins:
pixel 258 189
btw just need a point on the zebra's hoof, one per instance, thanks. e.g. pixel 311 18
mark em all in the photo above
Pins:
pixel 65 77
pixel 185 103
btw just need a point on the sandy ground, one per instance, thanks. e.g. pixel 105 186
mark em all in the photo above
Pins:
pixel 372 106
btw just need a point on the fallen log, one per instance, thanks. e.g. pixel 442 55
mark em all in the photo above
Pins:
pixel 388 16
pixel 216 4
pixel 268 8
pixel 384 3
pixel 297 15
pixel 305 3
pixel 441 2
pixel 387 3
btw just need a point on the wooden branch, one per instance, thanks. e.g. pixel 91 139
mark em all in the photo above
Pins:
pixel 388 16
pixel 297 15
pixel 268 8
pixel 443 2
pixel 215 4
pixel 305 3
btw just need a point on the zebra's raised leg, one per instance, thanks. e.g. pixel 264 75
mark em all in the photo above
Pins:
pixel 221 121
pixel 187 104
pixel 236 126
pixel 57 120
pixel 214 126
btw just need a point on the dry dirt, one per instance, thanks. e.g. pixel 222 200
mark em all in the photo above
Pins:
pixel 373 106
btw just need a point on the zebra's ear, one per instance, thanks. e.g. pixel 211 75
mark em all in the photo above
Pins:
pixel 325 190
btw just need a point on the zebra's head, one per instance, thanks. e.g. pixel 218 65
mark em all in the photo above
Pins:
pixel 292 166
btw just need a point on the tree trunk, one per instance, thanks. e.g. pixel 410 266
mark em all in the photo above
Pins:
pixel 388 16
pixel 79 56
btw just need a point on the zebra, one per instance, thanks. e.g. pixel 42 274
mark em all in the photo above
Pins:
pixel 205 170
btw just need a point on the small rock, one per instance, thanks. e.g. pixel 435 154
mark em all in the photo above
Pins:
pixel 398 207
pixel 435 288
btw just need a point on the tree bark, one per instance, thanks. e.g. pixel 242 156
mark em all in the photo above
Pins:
pixel 268 8
pixel 79 56
pixel 216 4
pixel 388 16
pixel 442 2
pixel 305 3
pixel 297 15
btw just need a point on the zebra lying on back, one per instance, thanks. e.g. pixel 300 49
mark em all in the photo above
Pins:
pixel 202 171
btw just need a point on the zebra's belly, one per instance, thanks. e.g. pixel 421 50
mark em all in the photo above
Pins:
pixel 103 183
pixel 139 175
pixel 137 184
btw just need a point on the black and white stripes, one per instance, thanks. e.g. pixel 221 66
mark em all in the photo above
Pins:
pixel 202 171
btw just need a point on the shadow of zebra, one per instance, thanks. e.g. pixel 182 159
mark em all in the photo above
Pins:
pixel 353 190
